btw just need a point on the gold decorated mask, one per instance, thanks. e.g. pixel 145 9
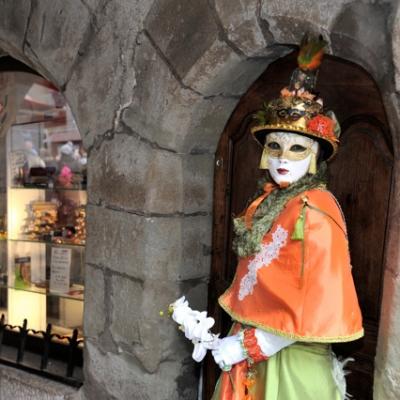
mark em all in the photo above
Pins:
pixel 289 146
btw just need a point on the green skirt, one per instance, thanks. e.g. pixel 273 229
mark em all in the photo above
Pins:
pixel 301 371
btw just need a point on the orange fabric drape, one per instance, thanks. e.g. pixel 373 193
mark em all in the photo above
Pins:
pixel 248 216
pixel 318 305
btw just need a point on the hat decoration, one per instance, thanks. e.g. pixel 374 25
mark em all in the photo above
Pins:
pixel 299 109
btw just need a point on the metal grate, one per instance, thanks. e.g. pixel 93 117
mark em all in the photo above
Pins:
pixel 57 356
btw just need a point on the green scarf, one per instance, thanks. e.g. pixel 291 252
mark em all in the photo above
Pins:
pixel 248 241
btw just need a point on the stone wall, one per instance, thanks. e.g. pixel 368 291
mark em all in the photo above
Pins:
pixel 151 85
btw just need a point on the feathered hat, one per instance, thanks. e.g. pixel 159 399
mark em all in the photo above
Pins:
pixel 299 109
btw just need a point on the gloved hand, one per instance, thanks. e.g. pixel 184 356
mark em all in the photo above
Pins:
pixel 228 351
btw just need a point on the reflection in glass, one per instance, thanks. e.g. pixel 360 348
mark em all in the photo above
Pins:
pixel 42 260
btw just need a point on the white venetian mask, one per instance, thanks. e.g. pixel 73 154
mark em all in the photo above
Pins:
pixel 289 156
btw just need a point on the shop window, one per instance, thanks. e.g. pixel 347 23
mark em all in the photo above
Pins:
pixel 42 229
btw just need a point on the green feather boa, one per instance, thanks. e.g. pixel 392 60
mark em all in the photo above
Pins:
pixel 248 241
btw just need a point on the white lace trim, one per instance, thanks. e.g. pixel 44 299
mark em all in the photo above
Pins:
pixel 267 254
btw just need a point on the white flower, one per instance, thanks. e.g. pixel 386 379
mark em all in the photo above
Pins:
pixel 180 309
pixel 201 347
pixel 204 324
pixel 196 326
pixel 190 324
pixel 199 352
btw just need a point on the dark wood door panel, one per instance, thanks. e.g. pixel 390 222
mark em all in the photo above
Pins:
pixel 361 180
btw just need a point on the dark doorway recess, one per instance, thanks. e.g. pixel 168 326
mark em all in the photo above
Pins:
pixel 360 177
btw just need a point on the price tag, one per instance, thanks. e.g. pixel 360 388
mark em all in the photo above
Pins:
pixel 60 269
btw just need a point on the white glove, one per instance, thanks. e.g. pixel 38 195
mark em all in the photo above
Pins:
pixel 228 351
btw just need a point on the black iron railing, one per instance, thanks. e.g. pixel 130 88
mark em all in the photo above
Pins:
pixel 56 356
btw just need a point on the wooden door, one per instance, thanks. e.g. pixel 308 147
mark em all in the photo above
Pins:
pixel 360 177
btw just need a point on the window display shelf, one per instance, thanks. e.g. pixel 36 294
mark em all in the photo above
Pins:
pixel 48 242
pixel 73 294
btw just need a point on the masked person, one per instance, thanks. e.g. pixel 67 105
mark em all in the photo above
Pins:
pixel 293 292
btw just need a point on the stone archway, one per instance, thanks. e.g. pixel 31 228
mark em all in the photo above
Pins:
pixel 151 85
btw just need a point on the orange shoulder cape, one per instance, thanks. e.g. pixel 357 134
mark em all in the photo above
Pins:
pixel 300 289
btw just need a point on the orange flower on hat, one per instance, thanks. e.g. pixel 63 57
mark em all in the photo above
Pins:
pixel 305 94
pixel 323 126
pixel 285 92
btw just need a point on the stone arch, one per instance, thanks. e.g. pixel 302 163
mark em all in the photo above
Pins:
pixel 151 86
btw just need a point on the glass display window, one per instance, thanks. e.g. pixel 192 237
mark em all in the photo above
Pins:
pixel 44 232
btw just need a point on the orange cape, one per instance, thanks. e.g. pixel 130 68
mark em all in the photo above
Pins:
pixel 300 289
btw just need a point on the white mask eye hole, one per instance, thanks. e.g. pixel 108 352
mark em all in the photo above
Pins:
pixel 274 146
pixel 297 148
